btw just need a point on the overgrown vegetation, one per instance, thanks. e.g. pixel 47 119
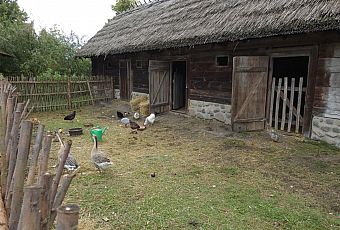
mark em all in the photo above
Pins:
pixel 123 5
pixel 36 53
pixel 202 181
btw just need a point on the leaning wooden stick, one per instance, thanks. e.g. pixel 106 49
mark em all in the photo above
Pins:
pixel 60 196
pixel 19 173
pixel 35 155
pixel 60 171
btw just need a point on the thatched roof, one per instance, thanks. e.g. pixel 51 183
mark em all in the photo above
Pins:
pixel 175 23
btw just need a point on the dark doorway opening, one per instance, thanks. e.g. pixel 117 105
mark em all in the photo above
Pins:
pixel 179 81
pixel 287 106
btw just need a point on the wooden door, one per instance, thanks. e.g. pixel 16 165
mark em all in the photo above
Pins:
pixel 125 80
pixel 159 85
pixel 178 90
pixel 250 76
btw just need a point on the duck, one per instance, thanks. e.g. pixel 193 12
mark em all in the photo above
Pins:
pixel 98 158
pixel 150 119
pixel 71 163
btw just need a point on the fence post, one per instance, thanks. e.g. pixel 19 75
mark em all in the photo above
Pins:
pixel 69 96
pixel 30 214
pixel 67 217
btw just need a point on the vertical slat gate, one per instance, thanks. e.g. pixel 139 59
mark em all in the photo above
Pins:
pixel 282 100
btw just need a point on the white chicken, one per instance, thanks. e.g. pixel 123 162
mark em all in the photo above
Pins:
pixel 150 119
pixel 136 116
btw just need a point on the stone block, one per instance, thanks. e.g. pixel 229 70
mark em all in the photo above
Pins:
pixel 330 121
pixel 220 117
pixel 336 130
pixel 325 128
pixel 316 123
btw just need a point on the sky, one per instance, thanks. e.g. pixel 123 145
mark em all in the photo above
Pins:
pixel 84 17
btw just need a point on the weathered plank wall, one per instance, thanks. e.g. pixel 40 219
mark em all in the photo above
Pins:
pixel 108 66
pixel 327 90
pixel 209 82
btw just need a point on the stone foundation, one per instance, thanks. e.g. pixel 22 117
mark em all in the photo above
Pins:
pixel 209 110
pixel 326 129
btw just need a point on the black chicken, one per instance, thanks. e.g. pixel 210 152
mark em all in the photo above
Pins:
pixel 121 115
pixel 70 117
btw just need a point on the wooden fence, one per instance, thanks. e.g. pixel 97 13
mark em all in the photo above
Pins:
pixel 286 104
pixel 30 196
pixel 63 93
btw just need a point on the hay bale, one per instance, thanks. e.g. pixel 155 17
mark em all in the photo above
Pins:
pixel 135 103
pixel 144 108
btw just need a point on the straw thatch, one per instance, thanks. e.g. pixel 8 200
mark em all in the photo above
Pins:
pixel 175 23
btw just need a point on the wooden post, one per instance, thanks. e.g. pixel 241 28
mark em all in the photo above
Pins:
pixel 19 173
pixel 30 214
pixel 35 155
pixel 60 196
pixel 45 208
pixel 60 171
pixel 291 104
pixel 3 216
pixel 277 105
pixel 9 124
pixel 12 152
pixel 10 116
pixel 298 109
pixel 69 96
pixel 272 103
pixel 284 106
pixel 67 217
pixel 89 88
pixel 3 121
pixel 44 157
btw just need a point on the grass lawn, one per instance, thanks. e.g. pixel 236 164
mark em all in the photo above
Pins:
pixel 206 177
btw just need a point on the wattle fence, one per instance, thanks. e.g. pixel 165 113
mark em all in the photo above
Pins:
pixel 60 93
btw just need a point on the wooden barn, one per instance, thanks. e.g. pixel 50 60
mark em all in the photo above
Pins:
pixel 247 63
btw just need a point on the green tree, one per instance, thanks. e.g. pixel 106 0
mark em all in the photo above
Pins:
pixel 34 54
pixel 123 5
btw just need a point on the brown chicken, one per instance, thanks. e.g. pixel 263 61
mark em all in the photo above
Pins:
pixel 134 126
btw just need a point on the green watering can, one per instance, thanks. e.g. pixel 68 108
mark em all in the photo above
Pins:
pixel 98 131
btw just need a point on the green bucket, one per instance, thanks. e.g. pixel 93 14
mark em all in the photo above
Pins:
pixel 98 131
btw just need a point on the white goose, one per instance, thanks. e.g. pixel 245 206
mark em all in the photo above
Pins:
pixel 98 158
